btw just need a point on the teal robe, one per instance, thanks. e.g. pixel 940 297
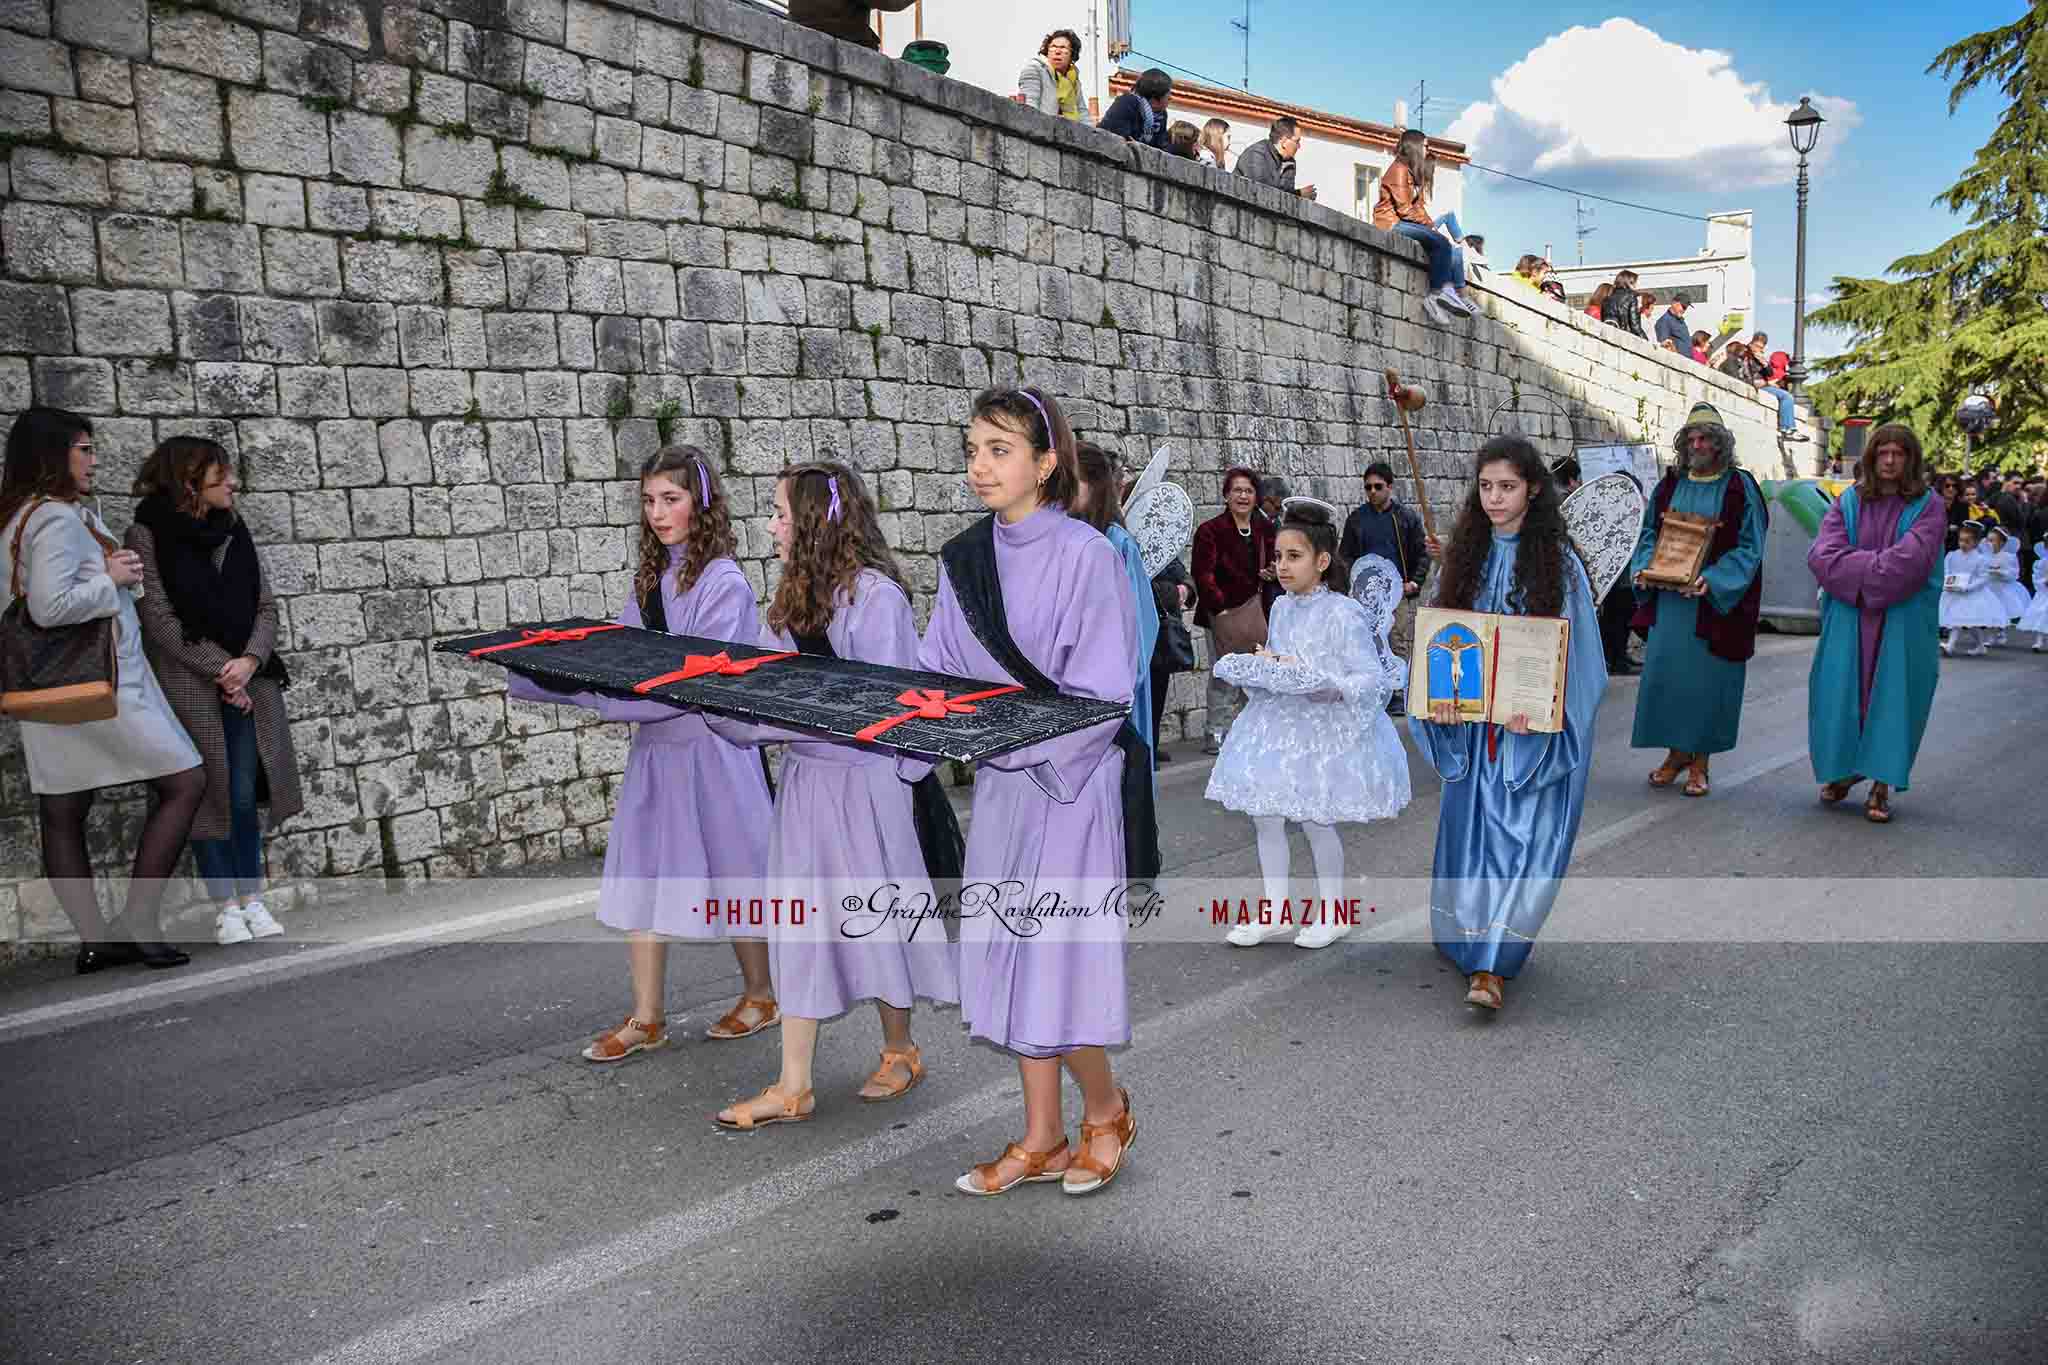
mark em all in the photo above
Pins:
pixel 1689 699
pixel 1879 659
pixel 1508 822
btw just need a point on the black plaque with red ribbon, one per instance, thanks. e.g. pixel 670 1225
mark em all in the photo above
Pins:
pixel 929 715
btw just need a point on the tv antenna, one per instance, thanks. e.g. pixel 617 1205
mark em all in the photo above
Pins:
pixel 1244 26
pixel 1585 217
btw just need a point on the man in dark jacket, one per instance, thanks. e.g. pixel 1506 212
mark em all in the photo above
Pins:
pixel 1139 114
pixel 1272 162
pixel 847 19
pixel 1671 327
pixel 1385 528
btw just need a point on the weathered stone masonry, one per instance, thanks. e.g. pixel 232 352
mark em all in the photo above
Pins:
pixel 440 275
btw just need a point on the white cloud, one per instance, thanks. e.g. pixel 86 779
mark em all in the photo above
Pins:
pixel 1618 106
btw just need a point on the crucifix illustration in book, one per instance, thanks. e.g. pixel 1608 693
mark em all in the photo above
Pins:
pixel 1455 657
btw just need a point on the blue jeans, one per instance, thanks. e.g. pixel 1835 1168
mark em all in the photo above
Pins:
pixel 233 866
pixel 1446 262
pixel 1786 421
pixel 1449 223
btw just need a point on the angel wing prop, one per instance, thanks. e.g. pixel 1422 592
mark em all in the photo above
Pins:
pixel 1605 518
pixel 1154 474
pixel 1376 586
pixel 1162 520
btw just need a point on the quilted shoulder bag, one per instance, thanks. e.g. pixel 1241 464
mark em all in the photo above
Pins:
pixel 54 675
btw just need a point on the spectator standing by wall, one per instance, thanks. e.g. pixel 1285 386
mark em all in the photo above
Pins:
pixel 1403 207
pixel 1700 342
pixel 1173 592
pixel 1623 309
pixel 1596 306
pixel 209 626
pixel 1139 114
pixel 1050 82
pixel 61 556
pixel 1383 526
pixel 1271 161
pixel 1215 149
pixel 1671 327
pixel 1185 140
pixel 1233 566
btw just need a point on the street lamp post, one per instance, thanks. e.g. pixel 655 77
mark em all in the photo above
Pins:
pixel 1804 126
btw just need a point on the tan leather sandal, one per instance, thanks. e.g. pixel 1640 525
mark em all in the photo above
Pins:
pixel 734 1025
pixel 1095 1175
pixel 1665 773
pixel 615 1046
pixel 982 1179
pixel 743 1120
pixel 1878 808
pixel 1697 783
pixel 911 1060
pixel 1833 793
pixel 1488 991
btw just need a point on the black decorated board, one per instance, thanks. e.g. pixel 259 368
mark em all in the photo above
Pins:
pixel 836 698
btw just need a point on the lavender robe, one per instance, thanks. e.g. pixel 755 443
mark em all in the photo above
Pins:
pixel 1050 816
pixel 693 809
pixel 843 825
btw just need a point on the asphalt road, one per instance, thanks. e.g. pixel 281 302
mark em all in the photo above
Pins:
pixel 1770 1090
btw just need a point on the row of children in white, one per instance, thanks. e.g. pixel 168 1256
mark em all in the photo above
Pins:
pixel 1982 598
pixel 693 805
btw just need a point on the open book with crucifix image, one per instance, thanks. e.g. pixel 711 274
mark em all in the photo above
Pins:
pixel 1490 666
pixel 928 715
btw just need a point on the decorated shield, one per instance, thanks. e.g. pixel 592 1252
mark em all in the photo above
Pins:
pixel 1605 518
pixel 1162 520
pixel 1376 586
pixel 1154 474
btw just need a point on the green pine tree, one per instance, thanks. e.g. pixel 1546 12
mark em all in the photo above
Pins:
pixel 1970 316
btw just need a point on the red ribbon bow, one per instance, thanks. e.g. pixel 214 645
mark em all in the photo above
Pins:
pixel 930 704
pixel 543 637
pixel 697 665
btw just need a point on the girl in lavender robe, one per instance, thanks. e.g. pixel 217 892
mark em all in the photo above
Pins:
pixel 693 809
pixel 843 822
pixel 1049 817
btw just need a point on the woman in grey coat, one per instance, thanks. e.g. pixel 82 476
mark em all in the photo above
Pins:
pixel 1050 82
pixel 209 625
pixel 71 569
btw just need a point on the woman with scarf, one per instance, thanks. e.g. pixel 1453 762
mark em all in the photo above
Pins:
pixel 209 628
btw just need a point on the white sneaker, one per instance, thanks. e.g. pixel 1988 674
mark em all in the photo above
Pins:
pixel 1320 935
pixel 2037 644
pixel 1434 310
pixel 1252 935
pixel 1948 648
pixel 229 928
pixel 260 921
pixel 1453 300
pixel 1977 653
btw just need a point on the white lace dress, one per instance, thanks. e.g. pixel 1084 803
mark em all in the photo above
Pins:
pixel 2004 575
pixel 1966 596
pixel 1307 759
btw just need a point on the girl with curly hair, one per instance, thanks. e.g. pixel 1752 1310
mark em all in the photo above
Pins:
pixel 845 823
pixel 693 808
pixel 1511 800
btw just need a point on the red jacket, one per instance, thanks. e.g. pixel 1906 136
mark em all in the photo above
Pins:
pixel 1227 564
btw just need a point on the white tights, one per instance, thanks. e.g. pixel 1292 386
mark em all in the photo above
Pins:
pixel 1275 859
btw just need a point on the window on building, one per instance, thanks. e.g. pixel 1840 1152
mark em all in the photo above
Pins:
pixel 1367 190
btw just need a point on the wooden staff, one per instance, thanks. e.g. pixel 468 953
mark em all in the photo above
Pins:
pixel 1407 398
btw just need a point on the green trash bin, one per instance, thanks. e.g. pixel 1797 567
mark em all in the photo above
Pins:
pixel 936 58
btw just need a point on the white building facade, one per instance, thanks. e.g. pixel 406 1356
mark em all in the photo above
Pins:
pixel 1718 285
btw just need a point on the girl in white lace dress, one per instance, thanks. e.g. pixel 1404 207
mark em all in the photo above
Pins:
pixel 1968 606
pixel 2003 558
pixel 1306 747
pixel 2035 617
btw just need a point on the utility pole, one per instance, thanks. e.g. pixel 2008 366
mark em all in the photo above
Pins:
pixel 1244 26
pixel 1585 216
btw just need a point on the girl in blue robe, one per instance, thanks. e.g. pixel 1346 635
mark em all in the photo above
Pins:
pixel 1100 504
pixel 1512 798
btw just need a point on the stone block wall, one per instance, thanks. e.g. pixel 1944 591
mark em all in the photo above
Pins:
pixel 441 274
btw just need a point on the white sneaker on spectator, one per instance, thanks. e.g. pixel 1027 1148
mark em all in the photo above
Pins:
pixel 1434 310
pixel 229 928
pixel 1453 300
pixel 260 921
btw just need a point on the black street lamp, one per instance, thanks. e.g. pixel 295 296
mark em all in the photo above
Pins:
pixel 1804 126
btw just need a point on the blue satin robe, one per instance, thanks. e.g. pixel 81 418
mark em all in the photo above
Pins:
pixel 1148 629
pixel 1505 833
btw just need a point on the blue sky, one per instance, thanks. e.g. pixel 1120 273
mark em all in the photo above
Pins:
pixel 1658 119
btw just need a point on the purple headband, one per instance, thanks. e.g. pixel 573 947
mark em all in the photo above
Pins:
pixel 703 484
pixel 832 512
pixel 1025 394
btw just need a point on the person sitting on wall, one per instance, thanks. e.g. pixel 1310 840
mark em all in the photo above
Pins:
pixel 1271 161
pixel 1215 147
pixel 1403 207
pixel 1671 327
pixel 1770 382
pixel 1139 114
pixel 850 20
pixel 1700 342
pixel 1183 139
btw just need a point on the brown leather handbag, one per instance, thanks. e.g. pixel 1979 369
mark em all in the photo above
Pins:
pixel 56 675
